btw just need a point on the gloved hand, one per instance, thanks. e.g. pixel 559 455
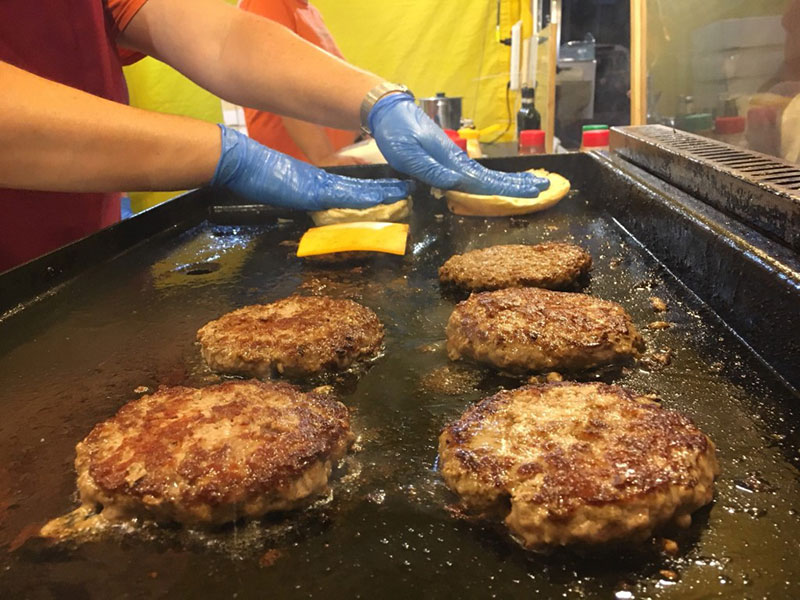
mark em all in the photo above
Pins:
pixel 264 175
pixel 414 144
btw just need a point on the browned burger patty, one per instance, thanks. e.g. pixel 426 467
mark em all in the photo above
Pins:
pixel 578 463
pixel 212 455
pixel 529 329
pixel 553 266
pixel 298 335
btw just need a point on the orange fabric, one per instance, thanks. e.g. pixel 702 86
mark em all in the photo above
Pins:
pixel 305 20
pixel 122 11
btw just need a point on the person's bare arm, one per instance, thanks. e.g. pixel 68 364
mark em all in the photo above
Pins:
pixel 58 138
pixel 250 60
pixel 310 138
pixel 316 145
pixel 255 62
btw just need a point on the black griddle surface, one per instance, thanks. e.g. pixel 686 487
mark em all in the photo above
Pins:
pixel 74 357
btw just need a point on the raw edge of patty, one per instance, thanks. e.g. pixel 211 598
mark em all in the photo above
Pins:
pixel 531 329
pixel 577 464
pixel 213 455
pixel 551 265
pixel 295 336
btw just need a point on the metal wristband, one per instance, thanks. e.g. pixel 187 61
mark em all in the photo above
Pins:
pixel 375 94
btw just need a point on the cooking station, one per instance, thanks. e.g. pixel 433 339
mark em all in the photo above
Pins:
pixel 711 230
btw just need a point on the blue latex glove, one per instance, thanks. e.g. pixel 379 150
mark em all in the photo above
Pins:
pixel 414 144
pixel 264 175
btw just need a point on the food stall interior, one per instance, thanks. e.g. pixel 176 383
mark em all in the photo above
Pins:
pixel 87 326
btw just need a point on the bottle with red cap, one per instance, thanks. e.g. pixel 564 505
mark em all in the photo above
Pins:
pixel 730 130
pixel 531 141
pixel 457 139
pixel 595 137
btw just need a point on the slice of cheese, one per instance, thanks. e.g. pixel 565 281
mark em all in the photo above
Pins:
pixel 380 212
pixel 354 237
pixel 462 203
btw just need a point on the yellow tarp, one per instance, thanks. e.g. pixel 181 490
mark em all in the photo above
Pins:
pixel 444 46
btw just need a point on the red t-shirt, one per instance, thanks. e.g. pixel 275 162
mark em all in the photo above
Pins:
pixel 71 42
pixel 303 19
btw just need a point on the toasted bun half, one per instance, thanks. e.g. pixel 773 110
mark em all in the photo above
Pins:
pixel 477 205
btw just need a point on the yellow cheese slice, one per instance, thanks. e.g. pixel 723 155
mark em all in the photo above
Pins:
pixel 477 205
pixel 354 237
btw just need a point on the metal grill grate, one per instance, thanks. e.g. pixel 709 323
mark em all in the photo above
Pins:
pixel 762 190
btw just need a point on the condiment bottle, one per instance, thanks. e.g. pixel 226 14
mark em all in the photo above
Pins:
pixel 451 133
pixel 531 141
pixel 685 106
pixel 472 135
pixel 595 139
pixel 730 130
pixel 699 123
pixel 527 117
pixel 457 139
pixel 593 127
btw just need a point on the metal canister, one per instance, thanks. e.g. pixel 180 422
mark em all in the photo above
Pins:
pixel 444 110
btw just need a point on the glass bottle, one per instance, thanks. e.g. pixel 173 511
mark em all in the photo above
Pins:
pixel 528 117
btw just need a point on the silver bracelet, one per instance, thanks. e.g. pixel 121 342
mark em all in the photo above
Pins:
pixel 379 91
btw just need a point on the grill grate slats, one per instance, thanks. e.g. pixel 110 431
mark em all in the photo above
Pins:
pixel 760 189
pixel 747 165
pixel 756 167
pixel 783 179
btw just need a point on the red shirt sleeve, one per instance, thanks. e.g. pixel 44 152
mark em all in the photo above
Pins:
pixel 122 11
pixel 274 10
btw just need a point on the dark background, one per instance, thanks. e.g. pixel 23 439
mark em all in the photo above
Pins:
pixel 609 22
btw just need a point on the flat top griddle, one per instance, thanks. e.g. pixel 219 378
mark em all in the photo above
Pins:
pixel 74 356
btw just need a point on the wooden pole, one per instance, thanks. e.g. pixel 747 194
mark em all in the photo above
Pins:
pixel 638 62
pixel 552 58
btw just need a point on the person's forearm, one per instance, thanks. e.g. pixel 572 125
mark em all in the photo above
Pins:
pixel 250 60
pixel 310 138
pixel 55 137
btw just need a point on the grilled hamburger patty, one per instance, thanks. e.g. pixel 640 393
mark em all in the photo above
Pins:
pixel 530 329
pixel 578 463
pixel 552 265
pixel 296 336
pixel 213 455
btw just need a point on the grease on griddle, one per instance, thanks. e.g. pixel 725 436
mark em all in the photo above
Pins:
pixel 432 347
pixel 753 482
pixel 451 380
pixel 655 360
pixel 551 377
pixel 82 523
pixel 657 304
pixel 269 558
pixel 668 574
pixel 668 546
